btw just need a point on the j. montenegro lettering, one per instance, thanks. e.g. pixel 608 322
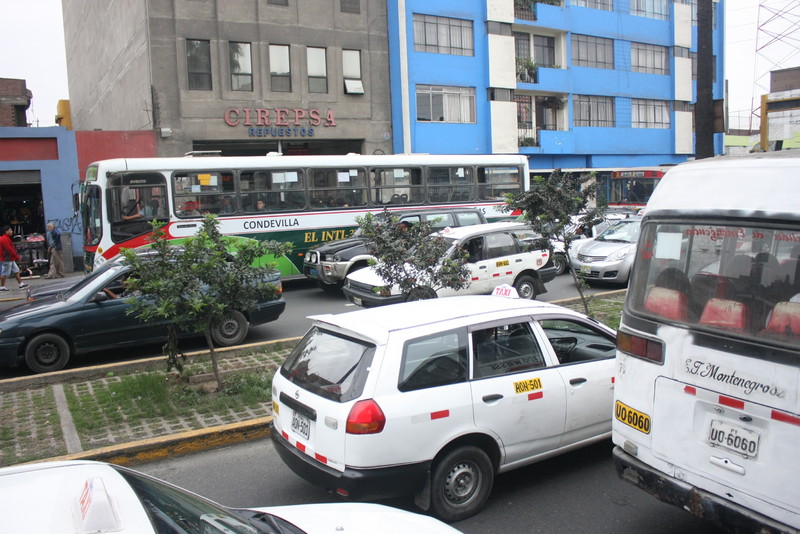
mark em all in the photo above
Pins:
pixel 717 374
pixel 279 117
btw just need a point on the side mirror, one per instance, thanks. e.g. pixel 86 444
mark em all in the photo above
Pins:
pixel 100 296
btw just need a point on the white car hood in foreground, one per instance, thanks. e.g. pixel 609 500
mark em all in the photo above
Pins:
pixel 357 518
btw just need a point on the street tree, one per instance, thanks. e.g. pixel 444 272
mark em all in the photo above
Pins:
pixel 200 283
pixel 549 207
pixel 412 257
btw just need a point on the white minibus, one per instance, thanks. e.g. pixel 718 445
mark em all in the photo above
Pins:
pixel 707 413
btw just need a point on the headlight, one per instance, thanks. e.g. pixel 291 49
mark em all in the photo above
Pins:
pixel 331 257
pixel 621 253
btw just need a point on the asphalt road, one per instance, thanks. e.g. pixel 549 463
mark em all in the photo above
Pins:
pixel 577 492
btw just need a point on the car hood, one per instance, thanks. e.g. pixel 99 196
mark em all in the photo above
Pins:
pixel 368 276
pixel 357 518
pixel 53 288
pixel 20 312
pixel 602 248
pixel 332 247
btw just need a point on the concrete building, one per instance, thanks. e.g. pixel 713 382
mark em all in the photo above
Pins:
pixel 573 84
pixel 243 77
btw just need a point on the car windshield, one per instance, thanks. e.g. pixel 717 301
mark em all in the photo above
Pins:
pixel 171 509
pixel 626 231
pixel 89 280
pixel 329 364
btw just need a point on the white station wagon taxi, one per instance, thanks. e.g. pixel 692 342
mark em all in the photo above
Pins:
pixel 433 398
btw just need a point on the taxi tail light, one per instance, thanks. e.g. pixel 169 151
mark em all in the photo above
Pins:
pixel 365 417
pixel 641 347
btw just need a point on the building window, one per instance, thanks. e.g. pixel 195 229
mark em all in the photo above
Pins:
pixel 597 111
pixel 652 59
pixel 198 60
pixel 649 113
pixel 498 28
pixel 544 50
pixel 499 94
pixel 693 4
pixel 594 52
pixel 437 103
pixel 652 9
pixel 350 6
pixel 317 70
pixel 241 66
pixel 280 69
pixel 278 2
pixel 606 5
pixel 351 72
pixel 442 35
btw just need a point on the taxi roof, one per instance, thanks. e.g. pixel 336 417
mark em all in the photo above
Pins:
pixel 461 232
pixel 377 323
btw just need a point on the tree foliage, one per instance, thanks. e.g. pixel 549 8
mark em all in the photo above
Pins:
pixel 197 284
pixel 549 207
pixel 413 258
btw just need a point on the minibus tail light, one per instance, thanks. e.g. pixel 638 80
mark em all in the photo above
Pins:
pixel 365 417
pixel 641 347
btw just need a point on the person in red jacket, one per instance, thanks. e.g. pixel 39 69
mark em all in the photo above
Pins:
pixel 8 260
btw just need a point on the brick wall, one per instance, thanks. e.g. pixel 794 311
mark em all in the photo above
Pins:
pixel 15 99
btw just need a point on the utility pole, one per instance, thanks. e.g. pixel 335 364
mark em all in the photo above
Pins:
pixel 704 105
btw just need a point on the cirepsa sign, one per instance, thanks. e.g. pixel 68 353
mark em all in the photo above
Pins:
pixel 280 122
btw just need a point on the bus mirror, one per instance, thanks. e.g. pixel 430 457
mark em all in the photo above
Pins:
pixel 75 202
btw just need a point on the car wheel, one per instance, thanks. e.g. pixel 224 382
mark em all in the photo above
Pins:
pixel 461 483
pixel 526 287
pixel 46 352
pixel 421 293
pixel 231 330
pixel 329 287
pixel 560 263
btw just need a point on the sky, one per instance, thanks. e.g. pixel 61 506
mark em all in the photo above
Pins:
pixel 32 48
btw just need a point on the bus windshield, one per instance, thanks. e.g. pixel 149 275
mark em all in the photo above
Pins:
pixel 735 279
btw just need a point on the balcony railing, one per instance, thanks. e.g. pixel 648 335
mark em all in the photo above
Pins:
pixel 526 9
pixel 527 135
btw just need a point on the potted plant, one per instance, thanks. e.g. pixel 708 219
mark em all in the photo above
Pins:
pixel 526 69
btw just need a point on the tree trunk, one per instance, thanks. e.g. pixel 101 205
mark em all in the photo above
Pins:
pixel 578 283
pixel 213 355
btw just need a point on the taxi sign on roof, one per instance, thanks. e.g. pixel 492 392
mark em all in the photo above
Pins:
pixel 505 290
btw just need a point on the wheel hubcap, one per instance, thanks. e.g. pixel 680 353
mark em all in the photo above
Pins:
pixel 228 328
pixel 47 354
pixel 461 484
pixel 525 291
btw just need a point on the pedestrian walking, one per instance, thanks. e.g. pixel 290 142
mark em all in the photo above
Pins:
pixel 8 259
pixel 54 252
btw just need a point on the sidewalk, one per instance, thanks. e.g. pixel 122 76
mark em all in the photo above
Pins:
pixel 60 415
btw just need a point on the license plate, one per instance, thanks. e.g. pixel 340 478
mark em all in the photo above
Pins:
pixel 633 418
pixel 301 425
pixel 357 301
pixel 585 269
pixel 734 438
pixel 312 272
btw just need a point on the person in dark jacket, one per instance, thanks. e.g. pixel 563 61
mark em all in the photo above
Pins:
pixel 8 260
pixel 54 252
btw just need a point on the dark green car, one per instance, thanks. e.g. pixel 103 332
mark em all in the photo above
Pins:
pixel 47 331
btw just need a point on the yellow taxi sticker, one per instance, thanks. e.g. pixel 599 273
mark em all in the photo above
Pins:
pixel 633 418
pixel 526 386
pixel 275 409
pixel 503 263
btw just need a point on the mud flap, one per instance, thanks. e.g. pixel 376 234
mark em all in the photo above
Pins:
pixel 423 497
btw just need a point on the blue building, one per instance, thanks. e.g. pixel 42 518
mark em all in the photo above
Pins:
pixel 572 84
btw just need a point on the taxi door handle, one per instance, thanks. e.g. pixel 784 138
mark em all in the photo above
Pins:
pixel 577 381
pixel 492 398
pixel 482 267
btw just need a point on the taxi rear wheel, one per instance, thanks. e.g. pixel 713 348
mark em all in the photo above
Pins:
pixel 461 483
pixel 526 287
pixel 231 330
pixel 46 353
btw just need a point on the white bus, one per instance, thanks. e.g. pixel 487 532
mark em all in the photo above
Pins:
pixel 707 412
pixel 300 199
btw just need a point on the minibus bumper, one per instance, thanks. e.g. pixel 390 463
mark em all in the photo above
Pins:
pixel 722 512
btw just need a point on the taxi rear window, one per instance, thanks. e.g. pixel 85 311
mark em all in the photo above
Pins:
pixel 331 365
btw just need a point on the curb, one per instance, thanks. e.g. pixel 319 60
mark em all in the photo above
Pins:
pixel 153 449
